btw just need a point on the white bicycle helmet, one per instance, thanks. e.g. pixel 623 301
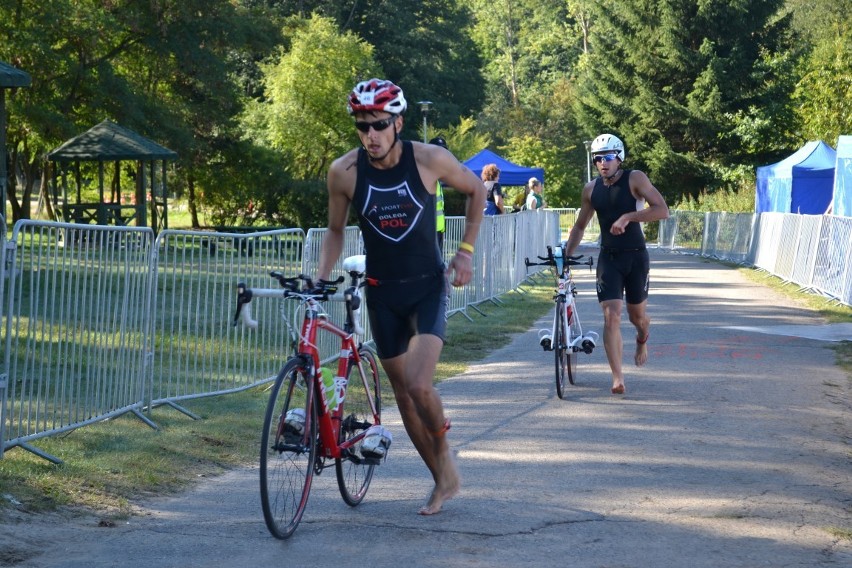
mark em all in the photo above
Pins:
pixel 376 95
pixel 608 143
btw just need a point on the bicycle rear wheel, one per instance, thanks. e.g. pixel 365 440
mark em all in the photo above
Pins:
pixel 560 350
pixel 353 472
pixel 287 456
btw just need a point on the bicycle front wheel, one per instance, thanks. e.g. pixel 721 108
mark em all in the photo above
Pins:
pixel 353 472
pixel 288 450
pixel 574 332
pixel 560 348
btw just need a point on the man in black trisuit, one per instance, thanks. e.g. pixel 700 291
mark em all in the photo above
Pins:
pixel 622 199
pixel 391 184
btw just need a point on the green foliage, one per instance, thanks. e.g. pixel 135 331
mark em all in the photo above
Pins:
pixel 670 77
pixel 696 90
pixel 463 140
pixel 824 94
pixel 166 72
pixel 425 47
pixel 561 188
pixel 303 114
pixel 731 202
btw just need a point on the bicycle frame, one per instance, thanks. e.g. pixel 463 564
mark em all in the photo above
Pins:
pixel 565 290
pixel 312 418
pixel 330 418
pixel 315 321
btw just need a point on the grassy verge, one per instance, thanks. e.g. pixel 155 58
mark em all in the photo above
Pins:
pixel 109 464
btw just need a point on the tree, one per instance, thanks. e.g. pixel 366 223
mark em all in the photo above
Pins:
pixel 824 94
pixel 303 116
pixel 670 77
pixel 424 47
pixel 165 70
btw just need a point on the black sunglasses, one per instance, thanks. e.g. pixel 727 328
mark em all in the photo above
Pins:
pixel 377 125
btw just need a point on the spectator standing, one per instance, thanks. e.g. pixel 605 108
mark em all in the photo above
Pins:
pixel 535 198
pixel 494 195
pixel 440 220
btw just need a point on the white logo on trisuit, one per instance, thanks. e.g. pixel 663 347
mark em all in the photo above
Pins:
pixel 392 211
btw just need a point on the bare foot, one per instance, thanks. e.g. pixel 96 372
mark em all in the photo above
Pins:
pixel 444 491
pixel 641 356
pixel 618 389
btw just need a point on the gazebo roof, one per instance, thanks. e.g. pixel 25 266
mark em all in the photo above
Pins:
pixel 109 142
pixel 13 77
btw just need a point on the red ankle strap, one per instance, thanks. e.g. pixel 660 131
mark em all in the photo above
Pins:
pixel 443 430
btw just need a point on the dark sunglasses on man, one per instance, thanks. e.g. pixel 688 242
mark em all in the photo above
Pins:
pixel 377 125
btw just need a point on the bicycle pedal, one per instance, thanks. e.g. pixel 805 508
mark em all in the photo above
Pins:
pixel 545 340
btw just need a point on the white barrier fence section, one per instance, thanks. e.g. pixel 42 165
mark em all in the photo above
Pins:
pixel 812 251
pixel 195 350
pixel 78 301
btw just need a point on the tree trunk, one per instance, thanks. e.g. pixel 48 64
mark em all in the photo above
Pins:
pixel 193 209
pixel 45 194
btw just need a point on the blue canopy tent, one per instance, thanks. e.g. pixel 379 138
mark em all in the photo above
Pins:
pixel 800 183
pixel 842 203
pixel 510 174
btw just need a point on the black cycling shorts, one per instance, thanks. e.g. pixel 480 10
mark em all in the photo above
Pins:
pixel 400 310
pixel 623 274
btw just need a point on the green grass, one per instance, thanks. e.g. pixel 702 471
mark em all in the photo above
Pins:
pixel 109 464
pixel 840 533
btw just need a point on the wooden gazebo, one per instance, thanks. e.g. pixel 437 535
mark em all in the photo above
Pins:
pixel 109 143
pixel 10 78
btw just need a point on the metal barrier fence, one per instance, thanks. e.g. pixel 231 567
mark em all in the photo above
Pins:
pixel 101 321
pixel 812 251
pixel 75 329
pixel 194 349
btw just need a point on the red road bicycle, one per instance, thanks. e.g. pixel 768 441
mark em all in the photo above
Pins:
pixel 566 338
pixel 314 420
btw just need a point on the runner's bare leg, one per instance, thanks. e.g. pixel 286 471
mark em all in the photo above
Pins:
pixel 612 340
pixel 411 376
pixel 639 318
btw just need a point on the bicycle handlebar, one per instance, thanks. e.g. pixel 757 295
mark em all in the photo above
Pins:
pixel 550 260
pixel 303 288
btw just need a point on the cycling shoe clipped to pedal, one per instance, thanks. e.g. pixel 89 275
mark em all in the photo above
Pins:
pixel 377 441
pixel 545 340
pixel 294 425
pixel 589 342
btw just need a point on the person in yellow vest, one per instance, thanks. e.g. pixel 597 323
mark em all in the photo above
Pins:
pixel 441 222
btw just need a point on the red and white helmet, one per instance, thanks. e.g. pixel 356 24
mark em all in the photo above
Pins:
pixel 376 95
pixel 608 143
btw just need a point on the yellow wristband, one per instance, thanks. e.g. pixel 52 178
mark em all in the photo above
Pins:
pixel 465 246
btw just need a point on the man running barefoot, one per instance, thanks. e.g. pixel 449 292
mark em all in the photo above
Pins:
pixel 619 198
pixel 391 183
